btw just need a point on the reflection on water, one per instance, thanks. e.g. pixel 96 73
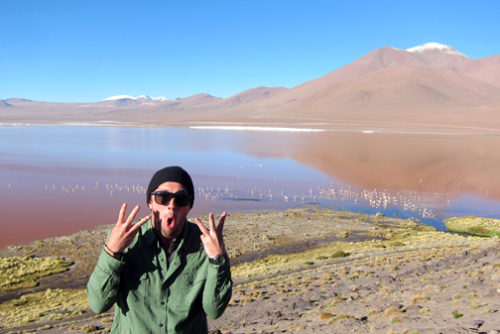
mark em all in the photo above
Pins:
pixel 57 180
pixel 436 163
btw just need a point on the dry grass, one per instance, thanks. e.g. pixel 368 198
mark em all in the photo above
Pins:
pixel 42 307
pixel 419 298
pixel 408 238
pixel 392 310
pixel 23 272
pixel 283 276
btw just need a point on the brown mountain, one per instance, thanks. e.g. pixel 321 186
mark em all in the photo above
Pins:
pixel 429 87
pixel 394 87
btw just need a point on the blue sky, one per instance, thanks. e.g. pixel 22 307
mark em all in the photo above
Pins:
pixel 84 51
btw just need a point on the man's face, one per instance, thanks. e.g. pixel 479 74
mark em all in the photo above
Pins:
pixel 168 218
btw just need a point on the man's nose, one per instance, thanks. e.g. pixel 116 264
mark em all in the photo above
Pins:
pixel 171 204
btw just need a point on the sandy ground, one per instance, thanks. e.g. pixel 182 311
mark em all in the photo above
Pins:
pixel 404 292
pixel 396 277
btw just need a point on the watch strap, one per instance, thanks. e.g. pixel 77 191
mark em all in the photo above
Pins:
pixel 218 260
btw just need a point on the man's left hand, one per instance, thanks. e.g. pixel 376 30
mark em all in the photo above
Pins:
pixel 212 239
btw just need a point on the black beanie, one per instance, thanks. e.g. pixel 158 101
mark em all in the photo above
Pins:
pixel 173 174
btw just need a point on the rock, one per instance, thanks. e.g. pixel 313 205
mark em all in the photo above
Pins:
pixel 300 304
pixel 277 314
pixel 477 324
pixel 492 293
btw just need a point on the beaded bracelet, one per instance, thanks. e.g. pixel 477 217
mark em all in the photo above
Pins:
pixel 116 255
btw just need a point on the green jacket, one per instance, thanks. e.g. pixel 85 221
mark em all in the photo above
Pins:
pixel 152 296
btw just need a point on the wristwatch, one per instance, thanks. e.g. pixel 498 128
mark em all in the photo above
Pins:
pixel 218 260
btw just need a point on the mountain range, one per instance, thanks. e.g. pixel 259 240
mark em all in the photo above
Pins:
pixel 428 87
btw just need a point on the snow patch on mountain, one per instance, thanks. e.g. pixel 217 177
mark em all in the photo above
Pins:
pixel 135 98
pixel 433 46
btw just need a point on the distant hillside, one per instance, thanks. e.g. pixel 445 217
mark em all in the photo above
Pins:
pixel 432 86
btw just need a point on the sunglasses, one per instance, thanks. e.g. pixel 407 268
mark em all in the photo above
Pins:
pixel 181 198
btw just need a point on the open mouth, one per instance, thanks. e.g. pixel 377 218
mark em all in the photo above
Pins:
pixel 170 222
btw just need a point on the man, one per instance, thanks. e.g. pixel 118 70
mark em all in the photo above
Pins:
pixel 163 273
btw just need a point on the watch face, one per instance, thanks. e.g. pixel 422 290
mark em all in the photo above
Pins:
pixel 219 259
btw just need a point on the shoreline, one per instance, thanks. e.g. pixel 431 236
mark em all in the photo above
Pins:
pixel 369 273
pixel 306 128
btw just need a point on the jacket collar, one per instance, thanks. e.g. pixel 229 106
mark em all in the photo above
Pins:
pixel 190 232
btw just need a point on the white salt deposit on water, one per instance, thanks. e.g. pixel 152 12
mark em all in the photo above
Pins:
pixel 254 128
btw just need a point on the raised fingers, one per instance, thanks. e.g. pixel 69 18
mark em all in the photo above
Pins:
pixel 202 227
pixel 222 219
pixel 138 225
pixel 132 215
pixel 211 224
pixel 211 221
pixel 122 213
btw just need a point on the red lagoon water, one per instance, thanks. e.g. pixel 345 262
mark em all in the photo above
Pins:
pixel 37 204
pixel 56 180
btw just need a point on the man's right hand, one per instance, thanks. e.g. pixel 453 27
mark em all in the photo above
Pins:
pixel 124 231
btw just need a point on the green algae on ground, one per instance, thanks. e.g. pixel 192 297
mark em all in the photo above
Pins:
pixel 480 226
pixel 23 272
pixel 409 237
pixel 43 307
